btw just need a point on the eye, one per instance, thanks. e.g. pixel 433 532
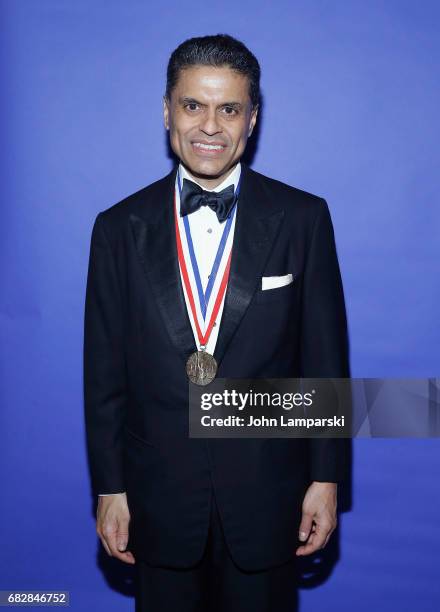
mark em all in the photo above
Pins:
pixel 191 106
pixel 230 110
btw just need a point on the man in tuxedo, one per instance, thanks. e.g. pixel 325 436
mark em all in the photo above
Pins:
pixel 219 259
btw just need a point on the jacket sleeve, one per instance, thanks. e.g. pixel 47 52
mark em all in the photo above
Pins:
pixel 324 338
pixel 104 366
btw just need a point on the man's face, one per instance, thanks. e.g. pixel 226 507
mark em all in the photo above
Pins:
pixel 210 118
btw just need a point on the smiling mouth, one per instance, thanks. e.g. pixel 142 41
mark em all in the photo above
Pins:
pixel 208 147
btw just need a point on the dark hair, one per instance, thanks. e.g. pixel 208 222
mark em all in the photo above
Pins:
pixel 219 50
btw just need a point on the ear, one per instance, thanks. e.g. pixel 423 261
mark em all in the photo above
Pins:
pixel 253 120
pixel 166 111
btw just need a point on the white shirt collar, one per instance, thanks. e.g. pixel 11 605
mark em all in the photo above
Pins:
pixel 232 179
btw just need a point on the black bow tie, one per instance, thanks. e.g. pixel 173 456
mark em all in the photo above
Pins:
pixel 192 197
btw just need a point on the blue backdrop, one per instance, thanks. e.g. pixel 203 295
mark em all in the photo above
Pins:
pixel 351 99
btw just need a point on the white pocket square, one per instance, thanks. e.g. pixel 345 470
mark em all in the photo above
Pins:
pixel 272 282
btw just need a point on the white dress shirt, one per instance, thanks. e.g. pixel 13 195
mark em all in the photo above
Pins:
pixel 206 232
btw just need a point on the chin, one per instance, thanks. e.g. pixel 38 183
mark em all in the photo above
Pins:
pixel 205 169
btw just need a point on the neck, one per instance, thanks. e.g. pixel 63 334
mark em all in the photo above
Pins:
pixel 210 183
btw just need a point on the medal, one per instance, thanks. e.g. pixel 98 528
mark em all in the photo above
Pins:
pixel 201 366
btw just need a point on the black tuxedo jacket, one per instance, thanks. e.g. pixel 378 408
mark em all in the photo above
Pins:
pixel 138 337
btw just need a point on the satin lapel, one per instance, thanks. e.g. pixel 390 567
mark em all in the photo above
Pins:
pixel 256 227
pixel 155 239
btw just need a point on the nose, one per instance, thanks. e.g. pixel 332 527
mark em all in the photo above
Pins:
pixel 209 124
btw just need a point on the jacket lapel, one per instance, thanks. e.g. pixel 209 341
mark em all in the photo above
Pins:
pixel 256 227
pixel 155 239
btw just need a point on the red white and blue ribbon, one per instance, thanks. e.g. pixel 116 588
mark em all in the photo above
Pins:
pixel 204 296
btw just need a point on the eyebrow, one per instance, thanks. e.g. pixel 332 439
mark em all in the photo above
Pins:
pixel 186 100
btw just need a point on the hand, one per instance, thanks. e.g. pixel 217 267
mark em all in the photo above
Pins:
pixel 318 517
pixel 112 520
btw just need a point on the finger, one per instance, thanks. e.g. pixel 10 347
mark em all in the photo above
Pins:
pixel 111 538
pixel 326 541
pixel 308 548
pixel 328 537
pixel 315 541
pixel 104 543
pixel 122 540
pixel 126 557
pixel 305 526
pixel 109 534
pixel 122 535
pixel 99 531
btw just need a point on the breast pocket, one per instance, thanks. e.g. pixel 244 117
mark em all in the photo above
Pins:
pixel 285 293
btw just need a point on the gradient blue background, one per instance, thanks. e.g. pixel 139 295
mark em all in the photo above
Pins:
pixel 351 99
